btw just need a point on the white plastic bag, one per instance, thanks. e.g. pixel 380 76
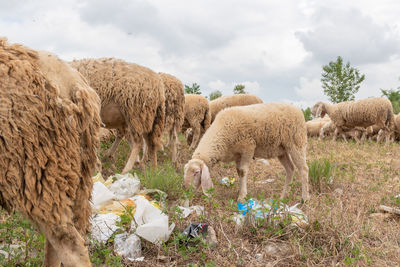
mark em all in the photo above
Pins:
pixel 103 226
pixel 101 194
pixel 128 246
pixel 152 223
pixel 126 186
pixel 187 211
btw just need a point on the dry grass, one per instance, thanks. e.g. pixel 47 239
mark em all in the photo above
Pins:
pixel 343 227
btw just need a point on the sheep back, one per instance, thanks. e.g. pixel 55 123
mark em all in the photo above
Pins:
pixel 196 110
pixel 223 102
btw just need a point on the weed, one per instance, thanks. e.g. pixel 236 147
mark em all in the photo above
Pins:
pixel 320 173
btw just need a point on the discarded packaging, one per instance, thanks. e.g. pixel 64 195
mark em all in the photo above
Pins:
pixel 187 211
pixel 101 194
pixel 125 186
pixel 128 246
pixel 103 226
pixel 202 230
pixel 118 207
pixel 152 223
pixel 269 211
pixel 227 181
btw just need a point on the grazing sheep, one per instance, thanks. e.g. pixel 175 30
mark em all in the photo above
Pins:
pixel 327 129
pixel 363 113
pixel 174 113
pixel 49 122
pixel 241 133
pixel 197 117
pixel 315 125
pixel 397 127
pixel 222 102
pixel 132 102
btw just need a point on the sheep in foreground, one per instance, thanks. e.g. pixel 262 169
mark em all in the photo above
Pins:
pixel 222 102
pixel 315 125
pixel 197 117
pixel 49 121
pixel 362 113
pixel 132 102
pixel 241 133
pixel 174 113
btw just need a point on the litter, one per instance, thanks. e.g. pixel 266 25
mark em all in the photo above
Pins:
pixel 125 186
pixel 227 181
pixel 201 230
pixel 152 223
pixel 128 246
pixel 103 226
pixel 101 195
pixel 118 207
pixel 254 210
pixel 187 211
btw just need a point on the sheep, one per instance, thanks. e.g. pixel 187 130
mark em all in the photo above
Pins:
pixel 397 127
pixel 197 117
pixel 222 102
pixel 314 126
pixel 49 124
pixel 327 129
pixel 363 113
pixel 132 102
pixel 241 133
pixel 174 113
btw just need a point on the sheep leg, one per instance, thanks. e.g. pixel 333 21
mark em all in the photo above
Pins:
pixel 173 143
pixel 289 168
pixel 135 144
pixel 298 157
pixel 50 256
pixel 144 151
pixel 151 150
pixel 68 244
pixel 242 168
pixel 110 153
pixel 196 137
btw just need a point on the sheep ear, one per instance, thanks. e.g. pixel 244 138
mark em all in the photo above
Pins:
pixel 206 182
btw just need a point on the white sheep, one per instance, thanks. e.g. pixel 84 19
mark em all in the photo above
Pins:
pixel 362 113
pixel 241 133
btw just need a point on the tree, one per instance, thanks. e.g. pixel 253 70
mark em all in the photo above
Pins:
pixel 340 82
pixel 239 89
pixel 195 89
pixel 394 97
pixel 307 114
pixel 215 94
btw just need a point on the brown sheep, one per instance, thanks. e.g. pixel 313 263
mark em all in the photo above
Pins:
pixel 222 102
pixel 132 102
pixel 197 117
pixel 49 121
pixel 174 113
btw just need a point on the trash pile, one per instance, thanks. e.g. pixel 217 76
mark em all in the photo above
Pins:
pixel 227 181
pixel 121 195
pixel 272 212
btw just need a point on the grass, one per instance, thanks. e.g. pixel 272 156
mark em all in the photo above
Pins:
pixel 341 231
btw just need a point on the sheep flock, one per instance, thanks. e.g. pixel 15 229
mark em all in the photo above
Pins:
pixel 54 115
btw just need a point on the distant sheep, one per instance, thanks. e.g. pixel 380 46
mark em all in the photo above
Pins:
pixel 132 102
pixel 362 113
pixel 314 126
pixel 222 102
pixel 197 117
pixel 49 122
pixel 241 133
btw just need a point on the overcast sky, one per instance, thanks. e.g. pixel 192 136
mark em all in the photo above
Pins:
pixel 275 48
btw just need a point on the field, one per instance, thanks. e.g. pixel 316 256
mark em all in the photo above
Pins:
pixel 348 182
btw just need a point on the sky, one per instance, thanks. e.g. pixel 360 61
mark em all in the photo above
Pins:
pixel 275 48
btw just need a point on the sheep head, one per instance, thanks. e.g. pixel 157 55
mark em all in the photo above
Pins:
pixel 319 110
pixel 196 173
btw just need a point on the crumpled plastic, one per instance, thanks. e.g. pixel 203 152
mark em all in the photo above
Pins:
pixel 270 211
pixel 125 186
pixel 186 211
pixel 152 223
pixel 128 245
pixel 103 226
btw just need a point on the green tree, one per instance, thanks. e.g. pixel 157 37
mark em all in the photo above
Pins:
pixel 307 114
pixel 194 89
pixel 394 97
pixel 215 94
pixel 340 82
pixel 239 89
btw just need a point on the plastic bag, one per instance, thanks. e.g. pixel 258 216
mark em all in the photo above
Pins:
pixel 103 226
pixel 101 195
pixel 128 246
pixel 187 211
pixel 125 186
pixel 152 223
